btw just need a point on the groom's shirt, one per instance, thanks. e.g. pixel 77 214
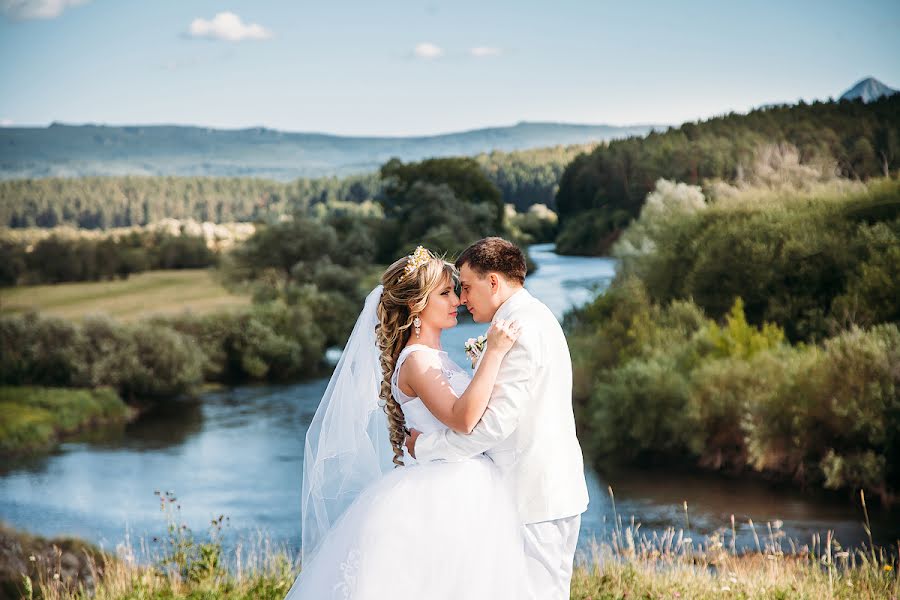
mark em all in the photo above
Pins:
pixel 528 428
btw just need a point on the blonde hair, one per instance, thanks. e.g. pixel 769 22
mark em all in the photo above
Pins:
pixel 402 299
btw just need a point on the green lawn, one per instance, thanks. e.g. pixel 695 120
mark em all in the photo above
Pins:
pixel 142 295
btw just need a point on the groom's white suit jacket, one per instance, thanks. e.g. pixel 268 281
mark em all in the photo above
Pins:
pixel 528 429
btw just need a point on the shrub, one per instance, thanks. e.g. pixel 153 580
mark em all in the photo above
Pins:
pixel 40 350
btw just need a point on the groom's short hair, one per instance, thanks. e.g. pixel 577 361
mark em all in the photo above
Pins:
pixel 495 254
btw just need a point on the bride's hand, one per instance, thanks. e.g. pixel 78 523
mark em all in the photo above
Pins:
pixel 502 335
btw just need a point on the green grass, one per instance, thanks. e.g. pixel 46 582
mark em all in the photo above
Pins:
pixel 625 564
pixel 34 418
pixel 608 573
pixel 163 292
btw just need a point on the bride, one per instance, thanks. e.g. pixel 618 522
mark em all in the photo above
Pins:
pixel 436 529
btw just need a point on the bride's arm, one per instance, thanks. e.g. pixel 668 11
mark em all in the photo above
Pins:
pixel 423 373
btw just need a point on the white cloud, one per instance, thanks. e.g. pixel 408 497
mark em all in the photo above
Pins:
pixel 36 9
pixel 6 122
pixel 428 51
pixel 229 27
pixel 482 51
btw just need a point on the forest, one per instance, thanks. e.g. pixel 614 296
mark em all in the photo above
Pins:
pixel 524 178
pixel 602 191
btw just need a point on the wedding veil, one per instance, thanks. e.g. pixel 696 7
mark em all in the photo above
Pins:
pixel 347 444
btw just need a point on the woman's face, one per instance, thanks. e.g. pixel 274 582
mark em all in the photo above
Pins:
pixel 440 310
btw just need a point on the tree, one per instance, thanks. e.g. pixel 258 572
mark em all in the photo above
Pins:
pixel 463 176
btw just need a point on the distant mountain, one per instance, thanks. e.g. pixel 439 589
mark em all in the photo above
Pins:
pixel 868 89
pixel 61 150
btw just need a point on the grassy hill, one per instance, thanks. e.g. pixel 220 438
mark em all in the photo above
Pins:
pixel 154 292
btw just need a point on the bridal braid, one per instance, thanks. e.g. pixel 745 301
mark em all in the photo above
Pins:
pixel 400 302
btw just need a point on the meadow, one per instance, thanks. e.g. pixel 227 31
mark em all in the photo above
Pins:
pixel 163 292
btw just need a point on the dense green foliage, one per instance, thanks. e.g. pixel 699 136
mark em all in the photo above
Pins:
pixel 664 382
pixel 138 361
pixel 320 268
pixel 56 259
pixel 463 176
pixel 848 139
pixel 33 418
pixel 164 357
pixel 811 261
pixel 442 203
pixel 657 377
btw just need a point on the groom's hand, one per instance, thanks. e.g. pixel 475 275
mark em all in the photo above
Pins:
pixel 411 441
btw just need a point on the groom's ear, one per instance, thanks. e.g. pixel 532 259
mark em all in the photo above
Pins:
pixel 494 280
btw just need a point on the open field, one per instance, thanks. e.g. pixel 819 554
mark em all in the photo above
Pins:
pixel 142 295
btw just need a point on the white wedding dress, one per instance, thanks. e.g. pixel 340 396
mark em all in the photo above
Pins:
pixel 436 530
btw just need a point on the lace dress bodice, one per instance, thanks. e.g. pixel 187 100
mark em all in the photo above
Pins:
pixel 417 414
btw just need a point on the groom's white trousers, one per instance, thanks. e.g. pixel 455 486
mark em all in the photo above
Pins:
pixel 549 554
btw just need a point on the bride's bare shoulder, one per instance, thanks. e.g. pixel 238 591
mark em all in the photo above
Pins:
pixel 420 364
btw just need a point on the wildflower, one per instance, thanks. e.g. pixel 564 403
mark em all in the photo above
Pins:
pixel 32 558
pixel 56 576
pixel 888 568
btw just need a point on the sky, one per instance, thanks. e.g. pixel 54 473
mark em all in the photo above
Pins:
pixel 405 67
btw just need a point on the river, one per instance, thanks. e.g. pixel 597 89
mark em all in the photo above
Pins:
pixel 239 453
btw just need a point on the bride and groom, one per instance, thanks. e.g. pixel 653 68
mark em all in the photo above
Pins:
pixel 488 502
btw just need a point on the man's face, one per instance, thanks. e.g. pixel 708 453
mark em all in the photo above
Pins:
pixel 478 293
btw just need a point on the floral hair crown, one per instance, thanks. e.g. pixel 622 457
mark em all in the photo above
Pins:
pixel 415 260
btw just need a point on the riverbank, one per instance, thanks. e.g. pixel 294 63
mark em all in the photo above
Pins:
pixel 626 565
pixel 59 561
pixel 35 419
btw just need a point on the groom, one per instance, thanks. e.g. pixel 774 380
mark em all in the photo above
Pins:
pixel 528 429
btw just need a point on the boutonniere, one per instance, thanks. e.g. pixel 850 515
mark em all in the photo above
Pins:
pixel 474 348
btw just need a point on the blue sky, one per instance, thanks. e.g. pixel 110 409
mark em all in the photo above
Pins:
pixel 402 67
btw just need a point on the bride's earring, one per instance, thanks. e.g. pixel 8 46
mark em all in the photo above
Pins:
pixel 417 323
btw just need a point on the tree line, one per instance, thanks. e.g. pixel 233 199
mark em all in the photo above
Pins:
pixel 602 191
pixel 523 178
pixel 58 259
